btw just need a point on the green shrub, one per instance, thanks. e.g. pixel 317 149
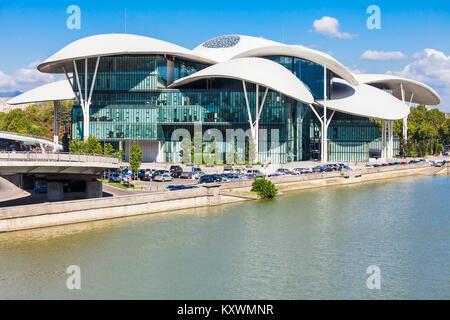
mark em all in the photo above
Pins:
pixel 264 188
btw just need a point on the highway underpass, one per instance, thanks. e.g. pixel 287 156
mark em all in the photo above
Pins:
pixel 55 169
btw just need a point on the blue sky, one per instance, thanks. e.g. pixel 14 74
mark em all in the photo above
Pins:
pixel 32 30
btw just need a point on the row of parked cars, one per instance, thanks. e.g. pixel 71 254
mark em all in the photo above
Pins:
pixel 317 169
pixel 404 163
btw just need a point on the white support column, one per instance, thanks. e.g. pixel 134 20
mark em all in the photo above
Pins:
pixel 324 123
pixel 85 100
pixel 390 139
pixel 250 119
pixel 321 125
pixel 256 140
pixel 86 106
pixel 55 124
pixel 383 140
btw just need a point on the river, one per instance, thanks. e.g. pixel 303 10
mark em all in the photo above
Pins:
pixel 311 244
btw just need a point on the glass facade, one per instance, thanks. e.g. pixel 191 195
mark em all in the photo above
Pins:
pixel 131 102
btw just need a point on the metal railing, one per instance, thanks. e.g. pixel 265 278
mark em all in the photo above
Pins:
pixel 56 157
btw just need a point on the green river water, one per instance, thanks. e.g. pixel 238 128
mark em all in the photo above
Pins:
pixel 309 244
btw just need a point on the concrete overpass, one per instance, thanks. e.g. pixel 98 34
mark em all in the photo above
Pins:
pixel 56 168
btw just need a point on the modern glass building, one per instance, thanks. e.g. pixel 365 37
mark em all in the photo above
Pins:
pixel 132 88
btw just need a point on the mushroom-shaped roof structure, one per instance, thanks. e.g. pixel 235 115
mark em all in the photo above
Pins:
pixel 365 101
pixel 114 44
pixel 59 90
pixel 260 71
pixel 303 53
pixel 419 92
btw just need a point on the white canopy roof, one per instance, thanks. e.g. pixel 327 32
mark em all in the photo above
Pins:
pixel 365 101
pixel 423 94
pixel 255 70
pixel 303 53
pixel 59 90
pixel 114 44
pixel 226 47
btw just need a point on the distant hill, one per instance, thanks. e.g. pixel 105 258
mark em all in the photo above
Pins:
pixel 9 94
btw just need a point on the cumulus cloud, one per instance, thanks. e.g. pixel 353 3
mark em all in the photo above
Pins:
pixel 383 55
pixel 24 79
pixel 329 26
pixel 431 67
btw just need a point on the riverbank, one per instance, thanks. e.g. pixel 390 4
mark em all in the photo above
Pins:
pixel 70 212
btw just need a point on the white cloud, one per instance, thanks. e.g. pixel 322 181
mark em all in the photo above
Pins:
pixel 329 26
pixel 431 67
pixel 24 79
pixel 383 55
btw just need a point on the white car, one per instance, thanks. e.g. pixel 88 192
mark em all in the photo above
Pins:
pixel 306 170
pixel 163 177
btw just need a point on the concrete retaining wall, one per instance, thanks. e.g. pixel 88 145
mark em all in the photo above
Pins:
pixel 69 212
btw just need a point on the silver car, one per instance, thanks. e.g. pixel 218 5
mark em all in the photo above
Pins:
pixel 163 177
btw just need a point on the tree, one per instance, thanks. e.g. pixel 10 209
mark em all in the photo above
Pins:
pixel 198 147
pixel 119 154
pixel 77 146
pixel 93 146
pixel 135 157
pixel 264 188
pixel 108 149
pixel 185 151
pixel 251 150
pixel 212 151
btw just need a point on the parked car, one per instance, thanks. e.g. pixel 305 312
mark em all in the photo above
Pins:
pixel 141 173
pixel 41 189
pixel 186 175
pixel 115 177
pixel 180 187
pixel 233 177
pixel 255 173
pixel 206 179
pixel 163 177
pixel 159 172
pixel 176 173
pixel 285 172
pixel 248 176
pixel 306 170
pixel 228 169
pixel 175 168
pixel 275 174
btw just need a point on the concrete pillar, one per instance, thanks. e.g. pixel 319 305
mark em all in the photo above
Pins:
pixel 55 191
pixel 94 189
pixel 213 192
pixel 170 72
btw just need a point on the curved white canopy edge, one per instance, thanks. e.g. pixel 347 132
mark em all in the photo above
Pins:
pixel 420 92
pixel 365 101
pixel 54 91
pixel 255 70
pixel 114 44
pixel 303 53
